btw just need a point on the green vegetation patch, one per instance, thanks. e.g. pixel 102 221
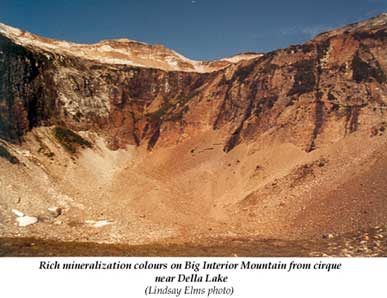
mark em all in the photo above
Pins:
pixel 69 139
pixel 4 153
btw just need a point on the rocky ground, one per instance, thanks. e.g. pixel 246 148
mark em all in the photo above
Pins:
pixel 136 197
pixel 287 145
pixel 372 243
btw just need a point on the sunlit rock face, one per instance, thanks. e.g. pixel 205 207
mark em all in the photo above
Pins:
pixel 137 93
pixel 145 144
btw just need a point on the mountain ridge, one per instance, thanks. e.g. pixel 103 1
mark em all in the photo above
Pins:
pixel 123 51
pixel 290 144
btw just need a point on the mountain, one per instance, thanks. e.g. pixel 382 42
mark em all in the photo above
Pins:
pixel 145 144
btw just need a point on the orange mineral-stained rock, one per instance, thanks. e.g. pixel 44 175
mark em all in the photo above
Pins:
pixel 286 144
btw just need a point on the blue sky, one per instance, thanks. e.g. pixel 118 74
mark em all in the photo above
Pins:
pixel 199 29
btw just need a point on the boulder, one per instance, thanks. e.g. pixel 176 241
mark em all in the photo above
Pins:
pixel 55 211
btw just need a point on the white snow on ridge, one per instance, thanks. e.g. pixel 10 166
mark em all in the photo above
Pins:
pixel 8 31
pixel 118 51
pixel 238 58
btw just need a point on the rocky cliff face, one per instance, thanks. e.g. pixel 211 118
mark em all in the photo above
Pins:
pixel 288 144
pixel 308 94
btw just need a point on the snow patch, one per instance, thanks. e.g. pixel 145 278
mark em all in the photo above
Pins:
pixel 25 221
pixel 238 58
pixel 129 52
pixel 17 213
pixel 98 224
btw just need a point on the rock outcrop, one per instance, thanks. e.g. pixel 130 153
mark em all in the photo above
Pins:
pixel 302 93
pixel 201 131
